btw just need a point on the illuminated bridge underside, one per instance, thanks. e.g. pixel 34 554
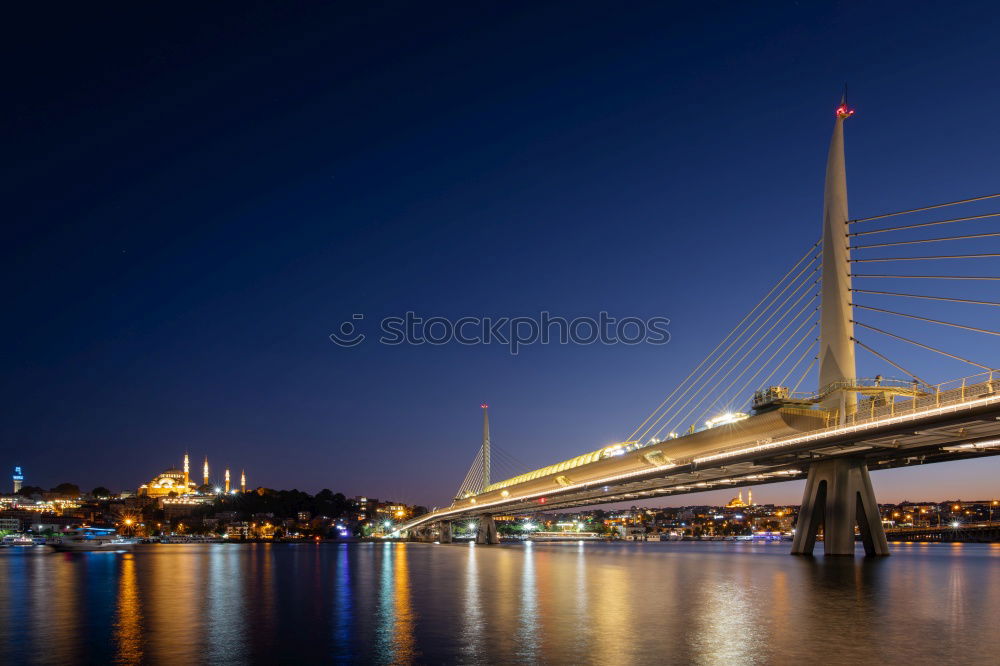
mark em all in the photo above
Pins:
pixel 930 429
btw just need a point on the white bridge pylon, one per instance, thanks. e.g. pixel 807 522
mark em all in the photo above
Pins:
pixel 830 438
pixel 838 492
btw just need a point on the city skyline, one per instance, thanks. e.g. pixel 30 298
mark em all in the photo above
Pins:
pixel 500 333
pixel 580 185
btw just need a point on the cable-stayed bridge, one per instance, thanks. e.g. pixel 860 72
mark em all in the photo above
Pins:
pixel 744 416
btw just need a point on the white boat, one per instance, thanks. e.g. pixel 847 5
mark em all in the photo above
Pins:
pixel 18 540
pixel 89 539
pixel 564 536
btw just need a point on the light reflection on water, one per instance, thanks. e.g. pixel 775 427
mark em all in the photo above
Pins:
pixel 472 618
pixel 532 603
pixel 528 617
pixel 128 622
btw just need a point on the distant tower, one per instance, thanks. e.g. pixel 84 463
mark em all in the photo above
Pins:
pixel 204 472
pixel 750 497
pixel 187 473
pixel 227 481
pixel 486 445
pixel 18 479
pixel 243 480
pixel 836 330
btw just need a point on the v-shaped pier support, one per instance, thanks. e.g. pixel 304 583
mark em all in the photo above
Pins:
pixel 839 495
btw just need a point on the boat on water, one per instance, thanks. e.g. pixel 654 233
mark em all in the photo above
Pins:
pixel 564 536
pixel 90 539
pixel 18 540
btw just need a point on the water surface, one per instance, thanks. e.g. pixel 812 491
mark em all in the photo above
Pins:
pixel 577 603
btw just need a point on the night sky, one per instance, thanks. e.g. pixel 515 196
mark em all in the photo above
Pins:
pixel 198 195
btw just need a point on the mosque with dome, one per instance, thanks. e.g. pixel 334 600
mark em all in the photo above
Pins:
pixel 738 503
pixel 177 483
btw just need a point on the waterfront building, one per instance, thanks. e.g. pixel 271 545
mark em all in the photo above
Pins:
pixel 18 479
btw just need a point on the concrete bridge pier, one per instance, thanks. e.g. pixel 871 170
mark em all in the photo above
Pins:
pixel 421 534
pixel 487 533
pixel 839 494
pixel 444 531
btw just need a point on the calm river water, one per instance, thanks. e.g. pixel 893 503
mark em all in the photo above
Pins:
pixel 557 603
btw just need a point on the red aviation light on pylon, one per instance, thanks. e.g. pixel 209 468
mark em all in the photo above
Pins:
pixel 484 405
pixel 843 111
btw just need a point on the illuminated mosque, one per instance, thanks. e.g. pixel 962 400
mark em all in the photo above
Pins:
pixel 178 482
pixel 738 503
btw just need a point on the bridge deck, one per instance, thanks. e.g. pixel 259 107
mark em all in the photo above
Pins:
pixel 951 425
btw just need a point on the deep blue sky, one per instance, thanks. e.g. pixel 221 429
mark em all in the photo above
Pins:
pixel 196 196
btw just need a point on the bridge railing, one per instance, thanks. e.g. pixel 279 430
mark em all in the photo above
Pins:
pixel 952 392
pixel 950 395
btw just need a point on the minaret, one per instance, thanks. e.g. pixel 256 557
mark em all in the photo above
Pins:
pixel 243 480
pixel 750 497
pixel 187 473
pixel 204 472
pixel 227 481
pixel 486 445
pixel 836 343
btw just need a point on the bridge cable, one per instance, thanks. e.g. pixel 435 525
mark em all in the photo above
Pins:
pixel 702 387
pixel 804 374
pixel 809 349
pixel 470 484
pixel 927 277
pixel 930 298
pixel 933 321
pixel 740 361
pixel 699 388
pixel 513 466
pixel 506 458
pixel 918 210
pixel 784 360
pixel 893 364
pixel 735 328
pixel 705 391
pixel 728 390
pixel 924 224
pixel 940 256
pixel 920 344
pixel 924 240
